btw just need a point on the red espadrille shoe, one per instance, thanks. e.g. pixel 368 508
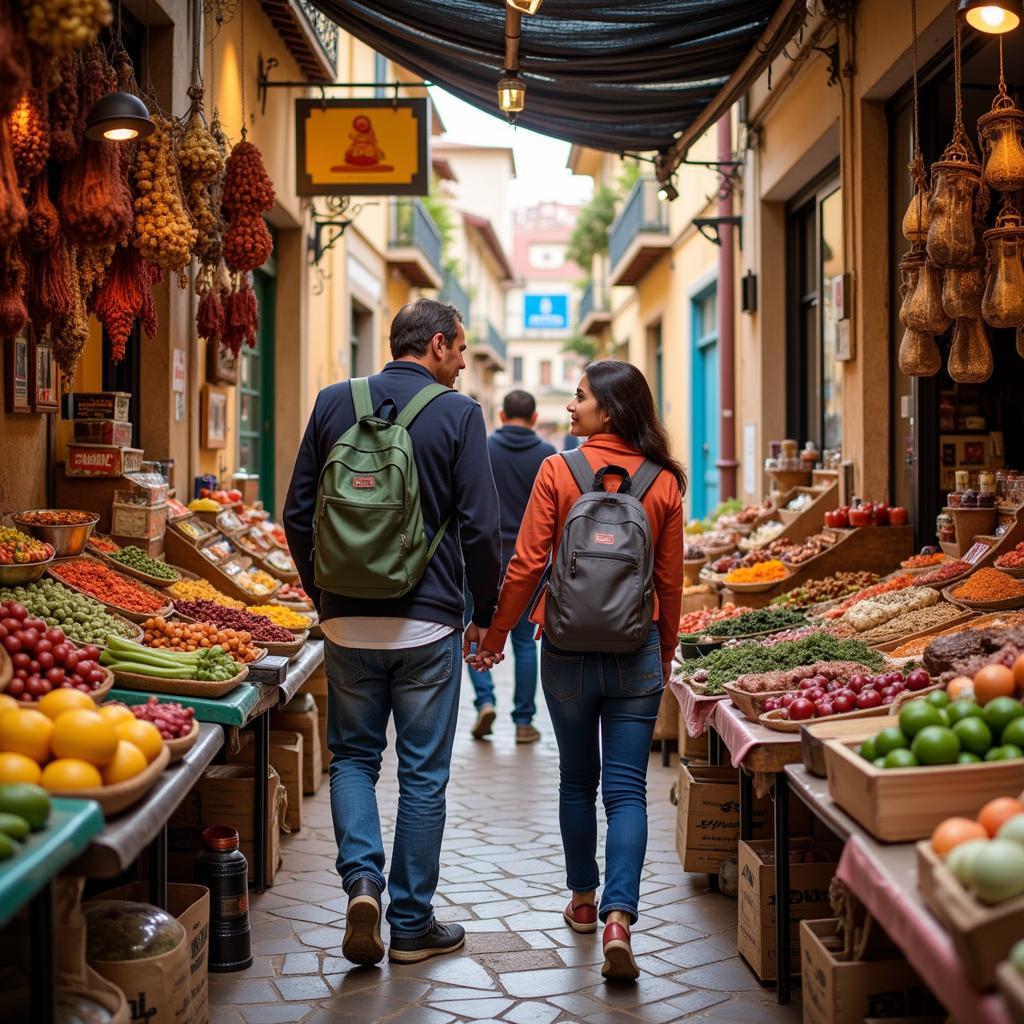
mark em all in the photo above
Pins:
pixel 618 954
pixel 582 919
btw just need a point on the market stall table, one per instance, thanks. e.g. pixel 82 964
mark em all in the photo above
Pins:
pixel 758 751
pixel 696 709
pixel 883 876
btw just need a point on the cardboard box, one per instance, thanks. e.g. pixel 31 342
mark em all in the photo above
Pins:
pixel 708 817
pixel 101 460
pixel 224 796
pixel 138 521
pixel 286 756
pixel 300 715
pixel 98 405
pixel 811 869
pixel 846 991
pixel 691 749
pixel 316 686
pixel 103 432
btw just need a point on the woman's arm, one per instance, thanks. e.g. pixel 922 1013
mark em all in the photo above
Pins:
pixel 668 576
pixel 533 550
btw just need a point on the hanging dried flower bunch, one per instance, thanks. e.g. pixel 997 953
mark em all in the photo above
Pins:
pixel 72 332
pixel 201 160
pixel 65 124
pixel 241 316
pixel 163 232
pixel 60 26
pixel 93 264
pixel 14 58
pixel 13 213
pixel 30 134
pixel 211 287
pixel 120 300
pixel 43 225
pixel 48 291
pixel 248 192
pixel 13 312
pixel 95 203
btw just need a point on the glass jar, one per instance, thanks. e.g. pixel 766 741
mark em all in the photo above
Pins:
pixel 953 499
pixel 945 528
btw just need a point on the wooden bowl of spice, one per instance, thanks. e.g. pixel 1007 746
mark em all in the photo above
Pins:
pixel 988 589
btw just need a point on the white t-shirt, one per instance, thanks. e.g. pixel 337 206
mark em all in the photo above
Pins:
pixel 383 634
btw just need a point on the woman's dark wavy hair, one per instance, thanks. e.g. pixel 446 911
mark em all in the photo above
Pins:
pixel 622 391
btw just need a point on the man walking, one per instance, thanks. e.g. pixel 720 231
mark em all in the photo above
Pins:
pixel 516 454
pixel 399 655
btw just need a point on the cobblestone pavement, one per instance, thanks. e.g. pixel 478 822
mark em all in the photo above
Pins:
pixel 502 877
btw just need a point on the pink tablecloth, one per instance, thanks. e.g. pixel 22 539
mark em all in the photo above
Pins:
pixel 695 708
pixel 739 735
pixel 892 899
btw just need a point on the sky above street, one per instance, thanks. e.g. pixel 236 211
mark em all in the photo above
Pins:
pixel 540 160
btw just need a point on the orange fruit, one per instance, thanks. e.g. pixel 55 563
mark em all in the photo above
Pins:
pixel 962 686
pixel 18 768
pixel 116 713
pixel 7 703
pixel 994 681
pixel 954 831
pixel 26 731
pixel 145 735
pixel 70 773
pixel 56 702
pixel 84 735
pixel 997 811
pixel 128 761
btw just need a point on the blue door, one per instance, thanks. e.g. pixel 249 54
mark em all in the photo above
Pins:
pixel 704 406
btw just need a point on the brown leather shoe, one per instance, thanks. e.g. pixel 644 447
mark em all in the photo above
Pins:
pixel 526 734
pixel 484 722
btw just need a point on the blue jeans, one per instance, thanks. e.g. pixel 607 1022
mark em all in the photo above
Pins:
pixel 603 709
pixel 524 650
pixel 420 686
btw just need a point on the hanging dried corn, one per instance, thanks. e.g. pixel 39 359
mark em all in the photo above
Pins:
pixel 60 26
pixel 13 312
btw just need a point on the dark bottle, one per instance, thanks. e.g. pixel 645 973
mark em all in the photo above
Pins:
pixel 222 868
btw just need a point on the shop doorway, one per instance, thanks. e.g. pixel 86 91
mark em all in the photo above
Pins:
pixel 704 489
pixel 256 434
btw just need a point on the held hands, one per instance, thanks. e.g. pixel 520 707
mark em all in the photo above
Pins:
pixel 477 658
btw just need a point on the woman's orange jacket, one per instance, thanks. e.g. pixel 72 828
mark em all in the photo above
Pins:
pixel 554 493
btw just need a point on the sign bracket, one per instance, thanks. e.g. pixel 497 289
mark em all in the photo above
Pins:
pixel 340 214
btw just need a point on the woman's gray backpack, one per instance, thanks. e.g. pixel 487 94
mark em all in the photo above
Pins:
pixel 601 586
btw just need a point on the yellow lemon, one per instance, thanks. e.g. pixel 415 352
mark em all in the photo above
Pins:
pixel 70 773
pixel 18 768
pixel 26 731
pixel 84 735
pixel 145 735
pixel 56 702
pixel 128 762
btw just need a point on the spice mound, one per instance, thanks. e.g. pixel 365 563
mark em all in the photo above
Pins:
pixel 764 572
pixel 762 620
pixel 96 580
pixel 259 627
pixel 943 574
pixel 1012 559
pixel 990 585
pixel 831 588
pixel 201 590
pixel 136 558
pixel 282 616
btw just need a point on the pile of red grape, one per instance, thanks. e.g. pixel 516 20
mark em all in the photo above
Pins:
pixel 173 720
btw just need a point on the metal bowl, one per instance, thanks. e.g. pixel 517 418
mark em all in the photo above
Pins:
pixel 67 541
pixel 25 572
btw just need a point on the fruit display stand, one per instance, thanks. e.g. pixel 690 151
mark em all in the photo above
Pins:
pixel 866 548
pixel 803 523
pixel 27 879
pixel 884 877
pixel 1009 520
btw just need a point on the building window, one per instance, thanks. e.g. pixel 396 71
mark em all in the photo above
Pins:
pixel 545 373
pixel 568 370
pixel 517 369
pixel 814 376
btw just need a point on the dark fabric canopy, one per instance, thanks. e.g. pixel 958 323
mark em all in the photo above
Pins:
pixel 609 74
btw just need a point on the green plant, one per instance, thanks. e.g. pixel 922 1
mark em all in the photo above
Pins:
pixel 590 236
pixel 581 345
pixel 628 177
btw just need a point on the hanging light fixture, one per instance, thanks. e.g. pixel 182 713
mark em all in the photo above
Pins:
pixel 118 117
pixel 525 6
pixel 511 93
pixel 995 18
pixel 668 192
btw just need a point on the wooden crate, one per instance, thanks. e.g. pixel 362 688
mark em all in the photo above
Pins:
pixel 184 553
pixel 814 734
pixel 982 935
pixel 900 804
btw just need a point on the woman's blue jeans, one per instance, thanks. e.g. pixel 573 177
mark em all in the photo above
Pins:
pixel 603 708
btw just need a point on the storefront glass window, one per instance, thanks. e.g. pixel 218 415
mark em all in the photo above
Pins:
pixel 831 226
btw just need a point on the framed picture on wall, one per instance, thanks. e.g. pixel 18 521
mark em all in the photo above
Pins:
pixel 18 373
pixel 44 381
pixel 221 364
pixel 214 417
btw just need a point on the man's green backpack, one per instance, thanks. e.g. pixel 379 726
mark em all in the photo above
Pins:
pixel 368 531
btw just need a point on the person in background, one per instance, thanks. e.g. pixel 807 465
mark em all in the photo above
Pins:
pixel 400 656
pixel 603 705
pixel 516 453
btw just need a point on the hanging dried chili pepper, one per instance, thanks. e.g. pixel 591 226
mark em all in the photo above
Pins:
pixel 13 312
pixel 248 192
pixel 72 332
pixel 43 221
pixel 13 213
pixel 48 290
pixel 30 135
pixel 65 126
pixel 95 203
pixel 241 316
pixel 122 296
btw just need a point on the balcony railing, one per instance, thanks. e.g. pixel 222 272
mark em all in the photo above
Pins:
pixel 453 292
pixel 411 227
pixel 325 30
pixel 496 341
pixel 643 213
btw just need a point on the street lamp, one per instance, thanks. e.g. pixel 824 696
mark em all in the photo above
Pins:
pixel 994 18
pixel 525 6
pixel 511 94
pixel 118 117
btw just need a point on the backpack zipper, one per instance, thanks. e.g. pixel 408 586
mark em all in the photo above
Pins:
pixel 599 554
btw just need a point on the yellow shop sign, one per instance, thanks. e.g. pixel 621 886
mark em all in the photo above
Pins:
pixel 362 147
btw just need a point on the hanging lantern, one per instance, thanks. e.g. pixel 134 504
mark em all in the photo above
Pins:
pixel 917 218
pixel 956 181
pixel 511 94
pixel 924 308
pixel 970 358
pixel 910 271
pixel 999 132
pixel 919 354
pixel 1003 302
pixel 962 289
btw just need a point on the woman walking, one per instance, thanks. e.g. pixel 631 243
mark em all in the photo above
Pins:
pixel 610 617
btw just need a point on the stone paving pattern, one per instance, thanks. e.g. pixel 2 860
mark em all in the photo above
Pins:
pixel 503 879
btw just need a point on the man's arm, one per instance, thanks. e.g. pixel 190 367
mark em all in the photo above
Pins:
pixel 300 506
pixel 476 505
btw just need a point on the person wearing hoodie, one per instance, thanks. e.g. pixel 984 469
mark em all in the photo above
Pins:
pixel 516 454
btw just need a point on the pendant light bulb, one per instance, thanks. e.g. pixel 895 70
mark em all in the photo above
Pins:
pixel 118 117
pixel 525 6
pixel 511 94
pixel 993 18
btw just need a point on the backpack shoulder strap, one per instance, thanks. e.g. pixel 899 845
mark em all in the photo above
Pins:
pixel 419 402
pixel 643 478
pixel 362 400
pixel 580 468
